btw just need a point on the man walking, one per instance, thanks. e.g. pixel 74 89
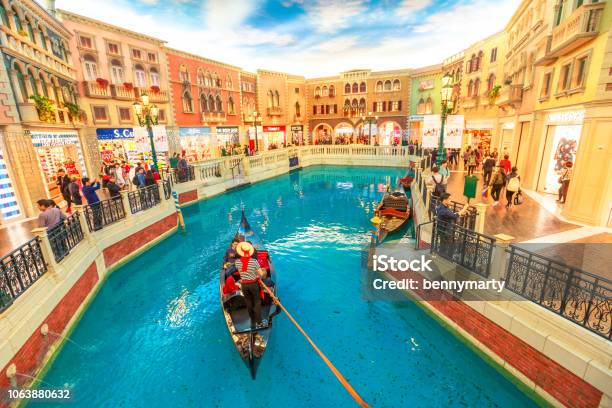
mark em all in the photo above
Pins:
pixel 499 180
pixel 487 169
pixel 566 177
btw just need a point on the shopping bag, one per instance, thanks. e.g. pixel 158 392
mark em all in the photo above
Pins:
pixel 518 198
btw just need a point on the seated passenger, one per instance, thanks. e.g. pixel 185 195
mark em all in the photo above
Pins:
pixel 230 254
pixel 230 286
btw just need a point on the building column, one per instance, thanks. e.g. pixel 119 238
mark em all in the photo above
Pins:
pixel 18 96
pixel 481 210
pixel 499 262
pixel 45 248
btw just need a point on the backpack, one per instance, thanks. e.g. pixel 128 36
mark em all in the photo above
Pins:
pixel 514 184
pixel 439 187
pixel 518 198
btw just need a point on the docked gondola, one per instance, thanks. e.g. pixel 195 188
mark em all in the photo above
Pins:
pixel 251 342
pixel 392 212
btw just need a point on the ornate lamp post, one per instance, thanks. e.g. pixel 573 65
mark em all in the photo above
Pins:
pixel 147 116
pixel 369 120
pixel 448 103
pixel 255 118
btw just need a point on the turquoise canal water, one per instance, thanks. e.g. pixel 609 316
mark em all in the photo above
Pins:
pixel 155 337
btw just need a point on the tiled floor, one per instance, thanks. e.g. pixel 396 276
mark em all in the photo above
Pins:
pixel 16 234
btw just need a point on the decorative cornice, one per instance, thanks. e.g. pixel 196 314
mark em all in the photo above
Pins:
pixel 50 19
pixel 186 54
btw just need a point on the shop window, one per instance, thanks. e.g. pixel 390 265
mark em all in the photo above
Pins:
pixel 347 88
pixel 113 48
pixel 139 76
pixel 428 106
pixel 362 87
pixel 203 103
pixel 86 42
pixel 125 114
pixel 493 55
pixel 355 88
pixel 379 86
pixel 545 90
pixel 187 102
pixel 580 72
pixel 116 72
pixel 161 115
pixel 230 106
pixel 396 85
pixel 136 54
pixel 100 113
pixel 388 85
pixel 4 16
pixel 152 57
pixel 154 77
pixel 564 78
pixel 90 67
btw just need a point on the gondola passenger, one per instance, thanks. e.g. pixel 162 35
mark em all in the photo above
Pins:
pixel 250 273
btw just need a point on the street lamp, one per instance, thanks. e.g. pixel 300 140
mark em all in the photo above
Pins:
pixel 256 119
pixel 147 116
pixel 446 94
pixel 369 120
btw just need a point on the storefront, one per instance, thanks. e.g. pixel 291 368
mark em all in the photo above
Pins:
pixel 368 133
pixel 9 209
pixel 344 134
pixel 415 133
pixel 478 133
pixel 273 137
pixel 562 136
pixel 117 144
pixel 55 151
pixel 297 135
pixel 227 137
pixel 196 143
pixel 322 134
pixel 390 133
pixel 507 139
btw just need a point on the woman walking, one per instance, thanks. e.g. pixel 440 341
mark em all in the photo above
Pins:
pixel 566 177
pixel 513 186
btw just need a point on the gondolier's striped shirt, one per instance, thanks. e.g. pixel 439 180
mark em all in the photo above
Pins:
pixel 251 272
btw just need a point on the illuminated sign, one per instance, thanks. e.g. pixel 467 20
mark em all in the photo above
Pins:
pixel 566 117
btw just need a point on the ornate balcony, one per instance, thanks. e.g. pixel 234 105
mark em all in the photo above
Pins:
pixel 93 89
pixel 510 95
pixel 469 102
pixel 160 96
pixel 275 111
pixel 122 92
pixel 215 117
pixel 579 28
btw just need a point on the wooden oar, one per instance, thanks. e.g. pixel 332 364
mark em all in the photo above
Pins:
pixel 333 369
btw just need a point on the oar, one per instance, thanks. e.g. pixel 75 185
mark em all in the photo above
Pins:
pixel 333 369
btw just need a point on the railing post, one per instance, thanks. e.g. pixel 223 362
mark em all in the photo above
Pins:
pixel 126 204
pixel 162 192
pixel 45 248
pixel 481 210
pixel 427 198
pixel 82 219
pixel 498 267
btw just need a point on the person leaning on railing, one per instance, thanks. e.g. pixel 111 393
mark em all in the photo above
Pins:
pixel 445 220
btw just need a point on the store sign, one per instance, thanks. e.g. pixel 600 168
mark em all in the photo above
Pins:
pixel 426 84
pixel 227 130
pixel 416 118
pixel 453 131
pixel 297 128
pixel 431 131
pixel 194 131
pixel 114 133
pixel 160 138
pixel 274 128
pixel 566 117
pixel 141 138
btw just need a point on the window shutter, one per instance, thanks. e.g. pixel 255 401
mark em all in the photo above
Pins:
pixel 335 108
pixel 384 106
pixel 314 109
pixel 374 107
pixel 399 105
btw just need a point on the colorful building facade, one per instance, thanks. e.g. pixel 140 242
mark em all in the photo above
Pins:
pixel 426 83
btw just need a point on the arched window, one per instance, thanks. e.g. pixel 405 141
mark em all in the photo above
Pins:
pixel 219 104
pixel 324 91
pixel 387 85
pixel 470 88
pixel 476 86
pixel 211 103
pixel 4 16
pixel 332 91
pixel 203 103
pixel 30 31
pixel 362 87
pixel 355 88
pixel 276 99
pixel 479 60
pixel 230 106
pixel 116 72
pixel 355 104
pixel 32 79
pixel 200 79
pixel 490 82
pixel 298 110
pixel 187 102
pixel 428 106
pixel 17 20
pixel 183 73
pixel 54 87
pixel 209 80
pixel 90 67
pixel 421 107
pixel 228 82
pixel 216 80
pixel 43 85
pixel 379 86
pixel 270 99
pixel 317 91
pixel 21 83
pixel 43 40
pixel 347 104
pixel 396 85
pixel 347 88
pixel 362 105
pixel 139 76
pixel 154 75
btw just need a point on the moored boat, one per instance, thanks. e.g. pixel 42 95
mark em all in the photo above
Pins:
pixel 250 342
pixel 392 213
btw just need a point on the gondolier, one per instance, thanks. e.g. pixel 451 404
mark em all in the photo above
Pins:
pixel 250 271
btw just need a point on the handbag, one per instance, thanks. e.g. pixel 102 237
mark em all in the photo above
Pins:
pixel 518 198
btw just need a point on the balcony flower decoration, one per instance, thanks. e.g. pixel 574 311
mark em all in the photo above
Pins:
pixel 155 89
pixel 102 83
pixel 74 111
pixel 45 108
pixel 22 33
pixel 494 93
pixel 128 86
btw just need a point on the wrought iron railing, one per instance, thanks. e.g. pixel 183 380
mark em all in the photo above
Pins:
pixel 144 198
pixel 420 233
pixel 468 220
pixel 65 236
pixel 167 184
pixel 99 215
pixel 183 175
pixel 572 293
pixel 19 270
pixel 463 246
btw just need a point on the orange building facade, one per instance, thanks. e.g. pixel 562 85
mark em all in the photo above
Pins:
pixel 206 105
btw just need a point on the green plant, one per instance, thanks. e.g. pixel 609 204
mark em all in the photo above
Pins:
pixel 74 110
pixel 494 93
pixel 45 108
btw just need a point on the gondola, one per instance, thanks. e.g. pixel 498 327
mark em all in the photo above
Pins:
pixel 250 343
pixel 407 180
pixel 392 213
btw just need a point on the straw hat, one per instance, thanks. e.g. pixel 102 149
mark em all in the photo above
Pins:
pixel 245 249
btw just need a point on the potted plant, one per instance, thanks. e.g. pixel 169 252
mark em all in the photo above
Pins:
pixel 155 89
pixel 128 86
pixel 45 108
pixel 494 93
pixel 102 83
pixel 74 111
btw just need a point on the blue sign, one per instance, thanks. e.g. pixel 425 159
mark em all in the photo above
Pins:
pixel 114 133
pixel 194 131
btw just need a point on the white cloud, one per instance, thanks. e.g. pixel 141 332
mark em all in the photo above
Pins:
pixel 329 16
pixel 409 7
pixel 227 14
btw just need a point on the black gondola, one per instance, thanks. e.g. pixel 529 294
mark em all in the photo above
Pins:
pixel 250 343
